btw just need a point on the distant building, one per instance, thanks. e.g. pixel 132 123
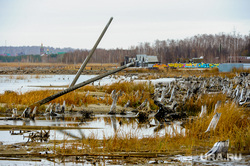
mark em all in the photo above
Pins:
pixel 144 60
pixel 197 60
pixel 47 52
pixel 42 50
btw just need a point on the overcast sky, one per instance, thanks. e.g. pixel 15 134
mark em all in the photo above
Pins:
pixel 78 23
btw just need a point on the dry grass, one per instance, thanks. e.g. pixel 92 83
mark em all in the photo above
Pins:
pixel 90 66
pixel 181 72
pixel 234 124
pixel 193 106
pixel 130 89
pixel 25 65
pixel 78 97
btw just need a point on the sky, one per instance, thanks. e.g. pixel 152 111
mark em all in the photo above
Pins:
pixel 78 23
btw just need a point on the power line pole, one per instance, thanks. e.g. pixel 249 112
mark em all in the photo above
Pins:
pixel 90 54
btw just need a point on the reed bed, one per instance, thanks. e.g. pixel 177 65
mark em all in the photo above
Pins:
pixel 233 125
pixel 79 98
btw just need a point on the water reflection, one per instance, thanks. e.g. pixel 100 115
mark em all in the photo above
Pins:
pixel 107 126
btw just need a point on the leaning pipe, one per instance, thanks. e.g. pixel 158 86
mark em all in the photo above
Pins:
pixel 72 88
pixel 90 54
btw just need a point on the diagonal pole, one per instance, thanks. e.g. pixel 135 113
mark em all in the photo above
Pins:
pixel 72 88
pixel 90 54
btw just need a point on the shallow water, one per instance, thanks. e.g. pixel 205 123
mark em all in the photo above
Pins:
pixel 108 126
pixel 24 83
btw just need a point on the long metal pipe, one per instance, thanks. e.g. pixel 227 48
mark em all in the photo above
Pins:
pixel 72 88
pixel 90 54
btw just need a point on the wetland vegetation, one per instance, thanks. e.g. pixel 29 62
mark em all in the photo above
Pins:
pixel 124 147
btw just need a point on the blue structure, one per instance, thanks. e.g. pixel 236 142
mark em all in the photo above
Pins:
pixel 227 67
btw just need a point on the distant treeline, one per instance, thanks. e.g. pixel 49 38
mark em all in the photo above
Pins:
pixel 218 48
pixel 23 58
pixel 53 58
pixel 30 50
pixel 213 48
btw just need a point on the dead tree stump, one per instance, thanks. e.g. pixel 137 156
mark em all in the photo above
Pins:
pixel 115 97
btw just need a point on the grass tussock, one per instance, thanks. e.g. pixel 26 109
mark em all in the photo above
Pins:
pixel 193 105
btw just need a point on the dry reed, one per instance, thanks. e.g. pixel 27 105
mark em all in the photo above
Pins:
pixel 234 124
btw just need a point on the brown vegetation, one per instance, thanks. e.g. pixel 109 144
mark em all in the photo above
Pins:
pixel 234 125
pixel 78 97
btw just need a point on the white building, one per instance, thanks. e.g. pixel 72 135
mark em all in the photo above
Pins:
pixel 144 60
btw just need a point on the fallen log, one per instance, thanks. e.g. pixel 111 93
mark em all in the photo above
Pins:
pixel 219 149
pixel 123 111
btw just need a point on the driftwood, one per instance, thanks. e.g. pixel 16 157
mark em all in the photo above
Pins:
pixel 143 111
pixel 33 114
pixel 163 93
pixel 63 107
pixel 123 111
pixel 48 108
pixel 217 105
pixel 39 136
pixel 115 97
pixel 57 108
pixel 17 132
pixel 203 111
pixel 213 122
pixel 182 89
pixel 14 113
pixel 26 113
pixel 219 149
pixel 140 107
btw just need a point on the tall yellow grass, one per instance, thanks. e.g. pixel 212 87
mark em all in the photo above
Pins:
pixel 234 124
pixel 78 97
